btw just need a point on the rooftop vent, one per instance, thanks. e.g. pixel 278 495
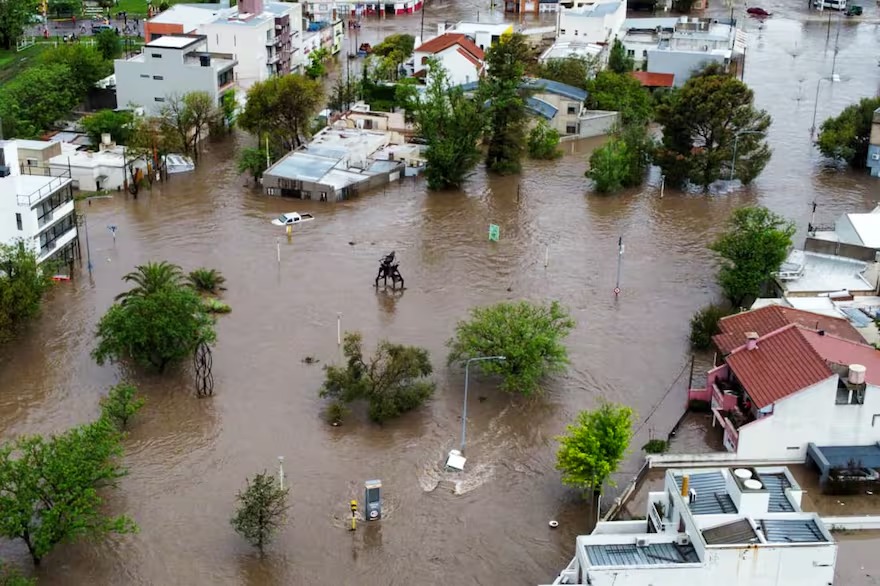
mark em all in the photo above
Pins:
pixel 641 542
pixel 751 340
pixel 856 374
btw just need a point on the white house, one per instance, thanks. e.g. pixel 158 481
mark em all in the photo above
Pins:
pixel 857 229
pixel 172 65
pixel 721 527
pixel 483 34
pixel 682 45
pixel 107 169
pixel 459 56
pixel 812 381
pixel 36 207
pixel 591 23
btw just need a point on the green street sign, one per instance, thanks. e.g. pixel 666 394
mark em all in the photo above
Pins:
pixel 494 232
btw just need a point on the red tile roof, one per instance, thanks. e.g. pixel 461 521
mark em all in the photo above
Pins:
pixel 845 352
pixel 648 79
pixel 773 317
pixel 783 363
pixel 445 41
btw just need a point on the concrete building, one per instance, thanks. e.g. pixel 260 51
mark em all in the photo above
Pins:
pixel 874 146
pixel 596 23
pixel 482 34
pixel 680 46
pixel 339 163
pixel 459 56
pixel 36 153
pixel 779 389
pixel 265 38
pixel 807 274
pixel 720 526
pixel 578 50
pixel 36 207
pixel 173 65
pixel 533 6
pixel 107 169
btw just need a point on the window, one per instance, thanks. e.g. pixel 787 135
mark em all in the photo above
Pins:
pixel 32 162
pixel 575 32
pixel 18 222
pixel 847 396
pixel 562 31
pixel 571 129
pixel 630 53
pixel 368 124
pixel 156 55
pixel 158 77
pixel 159 99
pixel 145 75
pixel 572 110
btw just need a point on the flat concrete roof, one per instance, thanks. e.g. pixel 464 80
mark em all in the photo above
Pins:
pixel 33 145
pixel 173 41
pixel 825 273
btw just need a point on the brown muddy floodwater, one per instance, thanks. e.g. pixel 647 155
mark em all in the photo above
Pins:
pixel 188 457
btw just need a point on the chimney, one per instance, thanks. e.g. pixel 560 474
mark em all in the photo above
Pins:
pixel 250 6
pixel 685 483
pixel 856 374
pixel 751 340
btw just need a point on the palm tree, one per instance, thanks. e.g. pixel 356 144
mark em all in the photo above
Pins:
pixel 206 280
pixel 150 278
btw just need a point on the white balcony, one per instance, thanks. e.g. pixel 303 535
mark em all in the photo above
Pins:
pixel 57 244
pixel 55 216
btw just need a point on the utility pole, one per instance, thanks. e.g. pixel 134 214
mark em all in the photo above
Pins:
pixel 619 262
pixel 422 26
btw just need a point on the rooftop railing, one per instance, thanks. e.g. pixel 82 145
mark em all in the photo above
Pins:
pixel 58 179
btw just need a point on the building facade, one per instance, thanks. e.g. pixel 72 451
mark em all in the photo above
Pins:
pixel 456 53
pixel 723 526
pixel 874 145
pixel 36 208
pixel 596 23
pixel 173 65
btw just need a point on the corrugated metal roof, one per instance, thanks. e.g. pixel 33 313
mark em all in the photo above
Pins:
pixel 776 485
pixel 712 497
pixel 773 317
pixel 783 363
pixel 549 86
pixel 654 554
pixel 739 531
pixel 790 530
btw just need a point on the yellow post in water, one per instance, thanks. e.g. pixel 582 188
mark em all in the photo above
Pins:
pixel 354 508
pixel 289 232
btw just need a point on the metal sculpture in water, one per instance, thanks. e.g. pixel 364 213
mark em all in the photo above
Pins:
pixel 203 362
pixel 388 268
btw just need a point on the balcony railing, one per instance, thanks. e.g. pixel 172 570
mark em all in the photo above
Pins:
pixel 58 180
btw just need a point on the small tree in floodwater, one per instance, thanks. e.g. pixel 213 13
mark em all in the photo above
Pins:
pixel 262 510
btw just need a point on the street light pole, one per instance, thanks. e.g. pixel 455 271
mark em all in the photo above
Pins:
pixel 464 409
pixel 735 140
pixel 816 106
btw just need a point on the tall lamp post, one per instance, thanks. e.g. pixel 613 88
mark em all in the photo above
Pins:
pixel 81 221
pixel 735 141
pixel 816 104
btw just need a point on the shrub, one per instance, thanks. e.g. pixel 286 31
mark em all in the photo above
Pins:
pixel 121 404
pixel 206 280
pixel 704 325
pixel 655 446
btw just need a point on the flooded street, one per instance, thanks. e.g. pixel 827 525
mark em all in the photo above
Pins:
pixel 187 457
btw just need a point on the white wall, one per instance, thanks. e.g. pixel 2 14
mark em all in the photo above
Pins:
pixel 682 64
pixel 246 42
pixel 458 67
pixel 572 25
pixel 811 416
pixel 136 81
pixel 846 232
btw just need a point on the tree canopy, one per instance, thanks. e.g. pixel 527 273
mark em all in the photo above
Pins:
pixel 36 99
pixel 507 116
pixel 109 44
pixel 701 123
pixel 618 59
pixel 623 93
pixel 282 107
pixel 846 137
pixel 574 71
pixel 543 141
pixel 86 65
pixel 49 487
pixel 622 161
pixel 14 18
pixel 117 124
pixel 452 124
pixel 393 51
pixel 528 335
pixel 22 287
pixel 189 116
pixel 392 381
pixel 752 247
pixel 261 510
pixel 594 446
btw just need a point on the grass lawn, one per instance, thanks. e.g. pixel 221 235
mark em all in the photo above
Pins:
pixel 139 7
pixel 13 62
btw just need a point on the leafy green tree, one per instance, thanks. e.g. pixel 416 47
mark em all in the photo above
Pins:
pixel 282 106
pixel 252 160
pixel 752 248
pixel 36 99
pixel 705 324
pixel 121 404
pixel 190 116
pixel 117 124
pixel 150 278
pixel 86 65
pixel 14 18
pixel 528 335
pixel 22 287
pixel 393 50
pixel 49 487
pixel 10 576
pixel 206 280
pixel 109 44
pixel 261 510
pixel 544 142
pixel 316 68
pixel 406 96
pixel 155 326
pixel 507 115
pixel 345 93
pixel 618 59
pixel 702 121
pixel 64 7
pixel 622 161
pixel 622 93
pixel 451 123
pixel 392 381
pixel 846 137
pixel 594 446
pixel 573 71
